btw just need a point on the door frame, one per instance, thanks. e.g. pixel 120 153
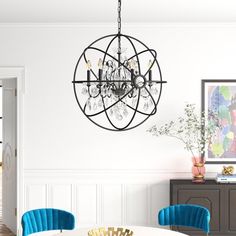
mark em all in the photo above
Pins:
pixel 19 74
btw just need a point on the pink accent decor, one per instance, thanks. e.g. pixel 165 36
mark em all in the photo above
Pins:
pixel 198 169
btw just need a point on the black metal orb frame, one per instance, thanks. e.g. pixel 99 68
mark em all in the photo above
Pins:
pixel 119 92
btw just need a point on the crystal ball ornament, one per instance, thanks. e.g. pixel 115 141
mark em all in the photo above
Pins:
pixel 118 90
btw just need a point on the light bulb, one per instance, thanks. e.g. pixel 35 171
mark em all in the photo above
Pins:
pixel 149 63
pixel 100 63
pixel 129 64
pixel 132 63
pixel 89 65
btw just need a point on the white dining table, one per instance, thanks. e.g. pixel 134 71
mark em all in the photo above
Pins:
pixel 137 231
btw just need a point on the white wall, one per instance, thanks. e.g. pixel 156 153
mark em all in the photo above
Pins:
pixel 67 158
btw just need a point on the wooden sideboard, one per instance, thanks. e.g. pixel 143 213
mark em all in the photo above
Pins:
pixel 220 199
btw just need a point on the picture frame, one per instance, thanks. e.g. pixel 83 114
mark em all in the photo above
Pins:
pixel 219 96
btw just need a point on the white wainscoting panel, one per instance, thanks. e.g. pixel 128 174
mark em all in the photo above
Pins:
pixel 35 196
pixel 86 205
pixel 158 196
pixel 60 196
pixel 101 197
pixel 137 204
pixel 112 204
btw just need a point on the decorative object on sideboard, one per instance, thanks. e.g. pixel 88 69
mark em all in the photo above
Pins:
pixel 191 130
pixel 227 175
pixel 220 97
pixel 228 170
pixel 110 231
pixel 226 178
pixel 123 87
pixel 198 169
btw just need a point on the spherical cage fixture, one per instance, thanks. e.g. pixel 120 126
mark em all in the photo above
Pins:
pixel 125 93
pixel 123 81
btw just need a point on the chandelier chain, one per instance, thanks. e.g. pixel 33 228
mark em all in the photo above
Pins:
pixel 119 16
pixel 119 37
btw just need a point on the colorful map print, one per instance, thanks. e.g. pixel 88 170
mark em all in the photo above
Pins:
pixel 222 100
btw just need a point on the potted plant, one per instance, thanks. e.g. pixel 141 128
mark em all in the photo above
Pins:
pixel 192 130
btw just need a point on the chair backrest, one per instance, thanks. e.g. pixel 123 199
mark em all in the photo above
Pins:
pixel 46 219
pixel 185 215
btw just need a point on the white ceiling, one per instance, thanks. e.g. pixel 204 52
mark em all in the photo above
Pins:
pixel 58 11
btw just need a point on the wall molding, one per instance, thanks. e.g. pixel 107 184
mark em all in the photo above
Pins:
pixel 110 172
pixel 102 196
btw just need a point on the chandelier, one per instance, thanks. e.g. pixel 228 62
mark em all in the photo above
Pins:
pixel 117 81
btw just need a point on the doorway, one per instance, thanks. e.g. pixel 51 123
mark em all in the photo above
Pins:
pixel 12 82
pixel 9 153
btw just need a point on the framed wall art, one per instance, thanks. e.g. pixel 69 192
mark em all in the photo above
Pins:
pixel 219 96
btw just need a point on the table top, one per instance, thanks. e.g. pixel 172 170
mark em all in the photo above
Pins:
pixel 138 231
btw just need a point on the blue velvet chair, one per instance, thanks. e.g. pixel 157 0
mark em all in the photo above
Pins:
pixel 46 219
pixel 185 215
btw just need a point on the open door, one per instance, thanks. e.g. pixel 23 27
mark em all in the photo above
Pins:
pixel 9 175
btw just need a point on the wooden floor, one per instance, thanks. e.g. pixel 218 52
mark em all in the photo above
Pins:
pixel 4 231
